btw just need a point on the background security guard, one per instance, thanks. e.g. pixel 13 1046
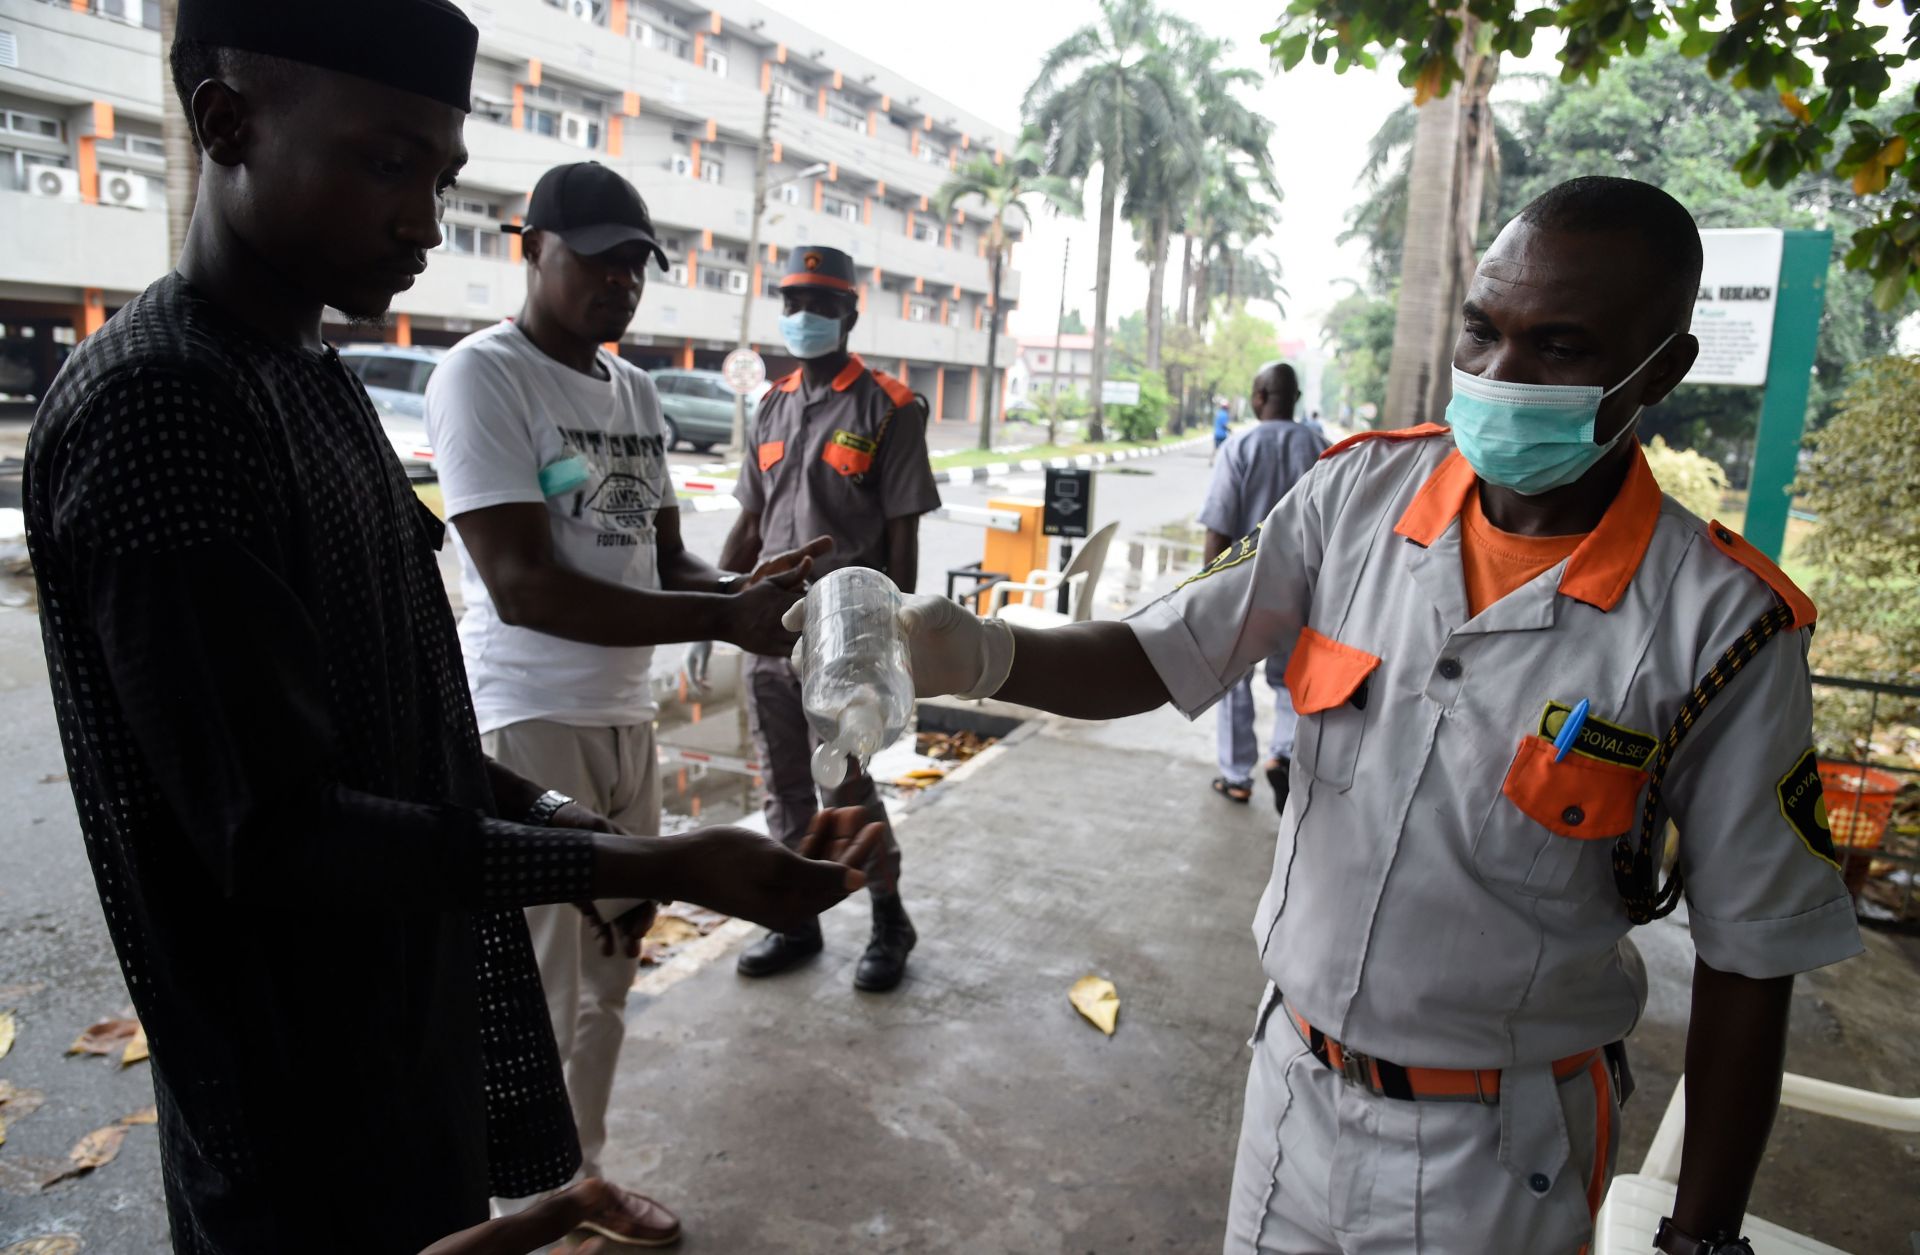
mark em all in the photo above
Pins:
pixel 838 450
pixel 1444 933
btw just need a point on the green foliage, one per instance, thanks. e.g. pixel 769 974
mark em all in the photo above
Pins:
pixel 1226 360
pixel 1072 324
pixel 1061 411
pixel 1141 421
pixel 1601 128
pixel 1692 478
pixel 1863 482
pixel 1783 47
pixel 1359 332
pixel 1129 344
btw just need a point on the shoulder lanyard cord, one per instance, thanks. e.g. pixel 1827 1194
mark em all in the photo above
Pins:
pixel 1636 863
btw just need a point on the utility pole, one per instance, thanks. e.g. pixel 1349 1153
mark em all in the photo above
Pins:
pixel 739 443
pixel 1053 408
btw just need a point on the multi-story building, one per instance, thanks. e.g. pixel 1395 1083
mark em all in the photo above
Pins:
pixel 1045 365
pixel 668 92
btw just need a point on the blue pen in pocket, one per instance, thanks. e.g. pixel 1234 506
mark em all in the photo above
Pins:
pixel 563 475
pixel 1570 730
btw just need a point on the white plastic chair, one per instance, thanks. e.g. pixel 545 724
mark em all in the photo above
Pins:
pixel 1040 589
pixel 1636 1201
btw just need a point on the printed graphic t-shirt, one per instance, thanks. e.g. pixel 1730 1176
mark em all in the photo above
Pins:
pixel 498 409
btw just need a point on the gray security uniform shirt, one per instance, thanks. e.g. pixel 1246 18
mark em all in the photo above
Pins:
pixel 1256 468
pixel 840 461
pixel 1442 892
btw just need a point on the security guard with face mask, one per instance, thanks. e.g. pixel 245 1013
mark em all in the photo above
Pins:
pixel 1514 661
pixel 837 450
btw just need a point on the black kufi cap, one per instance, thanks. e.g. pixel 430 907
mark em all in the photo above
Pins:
pixel 421 46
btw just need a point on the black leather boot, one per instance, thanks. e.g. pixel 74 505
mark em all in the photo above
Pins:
pixel 779 952
pixel 885 961
pixel 1277 776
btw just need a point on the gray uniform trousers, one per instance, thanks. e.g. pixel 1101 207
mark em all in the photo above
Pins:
pixel 785 745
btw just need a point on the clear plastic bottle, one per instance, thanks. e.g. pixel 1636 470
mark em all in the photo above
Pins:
pixel 854 681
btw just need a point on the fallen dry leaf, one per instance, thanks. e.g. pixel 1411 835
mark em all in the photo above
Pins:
pixel 21 1175
pixel 8 1028
pixel 1097 999
pixel 95 1150
pixel 671 930
pixel 16 1102
pixel 14 993
pixel 104 1038
pixel 146 1115
pixel 48 1244
pixel 136 1046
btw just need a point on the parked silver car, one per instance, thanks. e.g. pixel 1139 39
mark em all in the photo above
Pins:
pixel 394 372
pixel 698 406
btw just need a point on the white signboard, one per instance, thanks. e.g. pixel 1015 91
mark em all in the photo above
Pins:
pixel 1733 315
pixel 1119 392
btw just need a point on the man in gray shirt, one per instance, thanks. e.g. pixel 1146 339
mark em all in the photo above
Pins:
pixel 1256 468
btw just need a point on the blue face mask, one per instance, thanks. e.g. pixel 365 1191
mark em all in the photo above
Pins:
pixel 810 335
pixel 1532 437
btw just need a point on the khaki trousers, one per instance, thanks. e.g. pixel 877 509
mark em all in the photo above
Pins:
pixel 614 771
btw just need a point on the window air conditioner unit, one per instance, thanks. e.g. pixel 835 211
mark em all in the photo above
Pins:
pixel 680 163
pixel 679 276
pixel 736 281
pixel 583 9
pixel 54 182
pixel 123 188
pixel 574 129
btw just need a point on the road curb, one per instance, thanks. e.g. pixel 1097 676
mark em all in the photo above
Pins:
pixel 975 474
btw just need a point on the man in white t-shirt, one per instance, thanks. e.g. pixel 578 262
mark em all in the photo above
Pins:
pixel 552 460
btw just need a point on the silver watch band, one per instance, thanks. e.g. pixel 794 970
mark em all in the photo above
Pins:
pixel 545 807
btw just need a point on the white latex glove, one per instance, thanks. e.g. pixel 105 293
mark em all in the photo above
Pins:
pixel 950 649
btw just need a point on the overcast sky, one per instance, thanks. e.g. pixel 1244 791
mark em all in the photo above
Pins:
pixel 982 56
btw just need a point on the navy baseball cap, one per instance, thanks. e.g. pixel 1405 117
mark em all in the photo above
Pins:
pixel 592 209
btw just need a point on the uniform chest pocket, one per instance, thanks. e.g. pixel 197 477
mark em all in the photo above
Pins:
pixel 1550 832
pixel 1329 683
pixel 849 454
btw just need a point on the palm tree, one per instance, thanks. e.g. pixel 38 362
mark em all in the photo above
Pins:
pixel 176 139
pixel 1001 187
pixel 1453 150
pixel 1103 95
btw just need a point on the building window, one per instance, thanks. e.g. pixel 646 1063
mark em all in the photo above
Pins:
pixel 594 11
pixel 717 63
pixel 926 232
pixel 846 117
pixel 471 241
pixel 844 209
pixel 919 311
pixel 648 35
pixel 33 124
pixel 714 278
pixel 788 192
pixel 787 94
pixel 713 171
pixel 493 109
pixel 932 153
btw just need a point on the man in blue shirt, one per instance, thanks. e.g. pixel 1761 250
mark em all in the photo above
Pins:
pixel 1251 473
pixel 1221 417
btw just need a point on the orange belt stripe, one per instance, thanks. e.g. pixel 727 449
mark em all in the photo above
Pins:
pixel 1455 1084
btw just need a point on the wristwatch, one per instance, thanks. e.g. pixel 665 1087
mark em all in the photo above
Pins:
pixel 730 582
pixel 545 807
pixel 1670 1239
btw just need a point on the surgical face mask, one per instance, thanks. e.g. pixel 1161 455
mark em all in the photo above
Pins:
pixel 810 335
pixel 1532 437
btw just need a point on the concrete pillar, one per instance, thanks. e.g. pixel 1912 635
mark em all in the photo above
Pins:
pixel 400 331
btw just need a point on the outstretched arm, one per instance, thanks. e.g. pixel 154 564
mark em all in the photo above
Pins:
pixel 1083 671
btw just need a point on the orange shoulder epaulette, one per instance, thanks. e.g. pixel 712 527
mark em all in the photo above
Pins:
pixel 897 391
pixel 1399 433
pixel 1741 550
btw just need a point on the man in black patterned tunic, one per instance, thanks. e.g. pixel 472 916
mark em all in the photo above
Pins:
pixel 310 873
